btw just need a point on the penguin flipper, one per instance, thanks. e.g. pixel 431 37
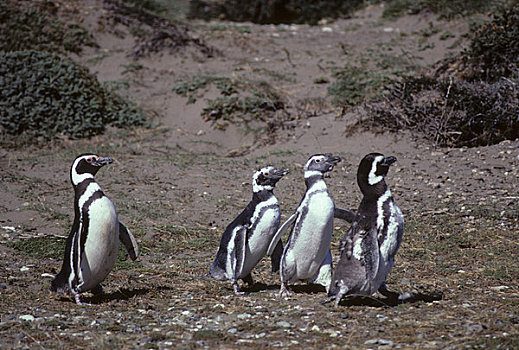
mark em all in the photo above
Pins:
pixel 240 241
pixel 344 214
pixel 280 232
pixel 371 255
pixel 275 258
pixel 129 242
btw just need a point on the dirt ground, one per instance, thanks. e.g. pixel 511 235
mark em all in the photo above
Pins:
pixel 177 187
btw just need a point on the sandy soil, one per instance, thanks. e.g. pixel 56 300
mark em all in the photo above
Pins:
pixel 176 188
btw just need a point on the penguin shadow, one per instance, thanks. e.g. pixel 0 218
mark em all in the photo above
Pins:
pixel 296 289
pixel 120 294
pixel 390 300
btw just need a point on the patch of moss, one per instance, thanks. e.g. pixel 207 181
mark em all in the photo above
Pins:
pixel 40 247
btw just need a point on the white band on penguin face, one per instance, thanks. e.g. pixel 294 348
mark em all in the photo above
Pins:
pixel 256 187
pixel 78 178
pixel 372 177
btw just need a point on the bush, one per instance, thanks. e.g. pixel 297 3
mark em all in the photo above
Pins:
pixel 272 12
pixel 444 8
pixel 240 101
pixel 494 49
pixel 452 113
pixel 45 95
pixel 477 105
pixel 35 29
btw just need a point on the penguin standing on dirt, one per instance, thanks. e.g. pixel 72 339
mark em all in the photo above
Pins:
pixel 92 245
pixel 307 253
pixel 368 248
pixel 246 239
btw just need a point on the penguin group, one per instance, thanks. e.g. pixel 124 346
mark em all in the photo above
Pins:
pixel 367 250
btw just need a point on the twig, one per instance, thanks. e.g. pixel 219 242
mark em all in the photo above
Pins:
pixel 288 57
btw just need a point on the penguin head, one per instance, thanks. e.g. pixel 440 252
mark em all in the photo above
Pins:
pixel 319 164
pixel 86 165
pixel 267 177
pixel 373 169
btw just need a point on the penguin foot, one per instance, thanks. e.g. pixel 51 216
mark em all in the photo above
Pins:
pixel 237 290
pixel 284 292
pixel 77 298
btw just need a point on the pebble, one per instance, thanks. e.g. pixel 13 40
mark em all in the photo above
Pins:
pixel 24 269
pixel 28 318
pixel 232 331
pixel 47 275
pixel 243 316
pixel 379 342
pixel 283 324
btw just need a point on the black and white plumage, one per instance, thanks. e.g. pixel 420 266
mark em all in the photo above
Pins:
pixel 246 239
pixel 307 253
pixel 92 245
pixel 368 248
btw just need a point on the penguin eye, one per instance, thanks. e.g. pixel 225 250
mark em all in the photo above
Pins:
pixel 318 160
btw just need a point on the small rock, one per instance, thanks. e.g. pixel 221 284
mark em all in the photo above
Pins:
pixel 499 288
pixel 243 316
pixel 384 342
pixel 474 328
pixel 28 318
pixel 232 331
pixel 47 275
pixel 315 328
pixel 24 269
pixel 283 324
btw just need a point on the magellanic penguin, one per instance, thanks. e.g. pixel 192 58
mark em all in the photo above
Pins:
pixel 246 239
pixel 307 253
pixel 92 245
pixel 369 246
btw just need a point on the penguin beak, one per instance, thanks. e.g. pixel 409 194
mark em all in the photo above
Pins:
pixel 332 161
pixel 276 174
pixel 101 161
pixel 388 161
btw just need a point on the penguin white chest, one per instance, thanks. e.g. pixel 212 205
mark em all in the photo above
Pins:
pixel 312 242
pixel 102 242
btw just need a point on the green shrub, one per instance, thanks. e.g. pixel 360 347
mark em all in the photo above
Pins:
pixel 354 84
pixel 444 8
pixel 453 113
pixel 477 105
pixel 494 49
pixel 241 101
pixel 35 29
pixel 45 95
